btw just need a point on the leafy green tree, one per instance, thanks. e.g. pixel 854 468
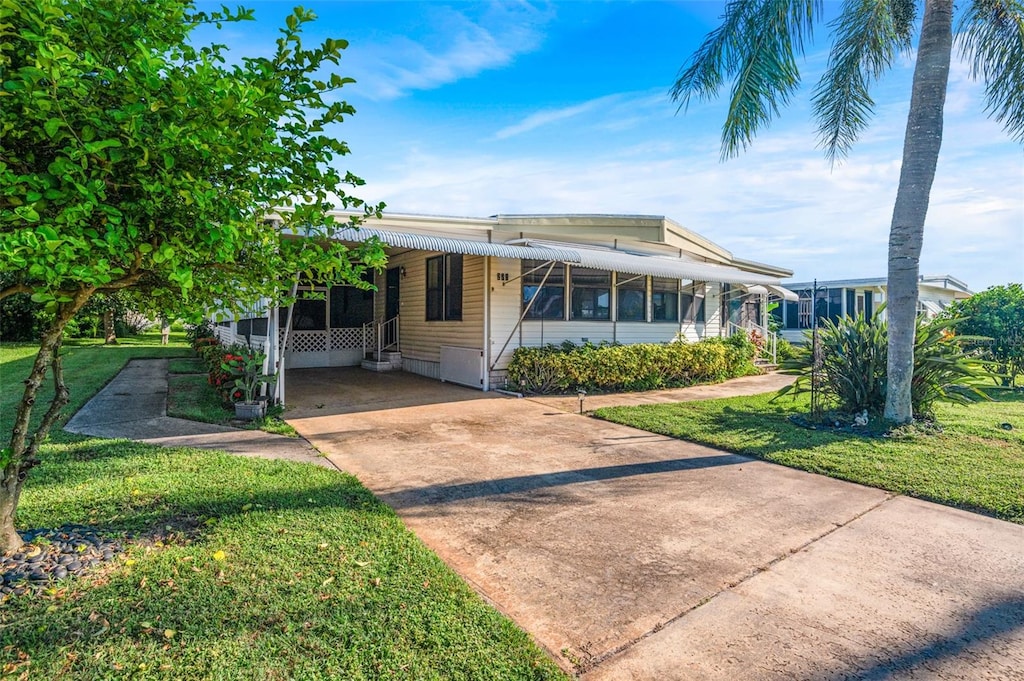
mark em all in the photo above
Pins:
pixel 997 313
pixel 756 46
pixel 132 160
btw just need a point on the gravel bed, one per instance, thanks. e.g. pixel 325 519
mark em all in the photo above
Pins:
pixel 50 555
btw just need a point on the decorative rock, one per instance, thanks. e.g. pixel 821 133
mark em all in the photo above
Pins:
pixel 67 551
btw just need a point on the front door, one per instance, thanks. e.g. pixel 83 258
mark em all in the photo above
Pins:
pixel 391 293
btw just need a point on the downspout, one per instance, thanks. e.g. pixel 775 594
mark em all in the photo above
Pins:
pixel 486 378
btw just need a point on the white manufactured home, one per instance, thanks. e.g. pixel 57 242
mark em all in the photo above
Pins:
pixel 459 295
pixel 852 297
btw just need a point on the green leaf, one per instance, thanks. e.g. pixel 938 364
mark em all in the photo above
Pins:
pixel 100 145
pixel 52 125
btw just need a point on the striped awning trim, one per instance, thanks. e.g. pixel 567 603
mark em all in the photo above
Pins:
pixel 444 244
pixel 602 259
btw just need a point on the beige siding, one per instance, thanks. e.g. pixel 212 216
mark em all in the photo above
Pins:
pixel 422 340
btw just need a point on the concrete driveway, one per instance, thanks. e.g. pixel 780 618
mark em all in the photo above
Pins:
pixel 633 556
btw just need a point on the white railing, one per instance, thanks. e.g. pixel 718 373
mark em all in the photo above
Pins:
pixel 386 333
pixel 387 336
pixel 771 339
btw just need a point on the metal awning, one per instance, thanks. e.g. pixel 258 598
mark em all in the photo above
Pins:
pixel 783 292
pixel 772 290
pixel 444 244
pixel 602 259
pixel 673 268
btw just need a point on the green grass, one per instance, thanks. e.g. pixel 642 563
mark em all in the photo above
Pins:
pixel 241 569
pixel 191 397
pixel 88 366
pixel 191 365
pixel 972 463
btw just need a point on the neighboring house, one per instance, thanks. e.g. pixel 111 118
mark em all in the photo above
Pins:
pixel 459 295
pixel 838 298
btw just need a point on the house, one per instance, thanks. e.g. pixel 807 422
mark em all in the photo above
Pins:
pixel 837 298
pixel 459 295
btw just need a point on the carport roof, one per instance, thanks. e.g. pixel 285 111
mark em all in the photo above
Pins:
pixel 444 244
pixel 597 258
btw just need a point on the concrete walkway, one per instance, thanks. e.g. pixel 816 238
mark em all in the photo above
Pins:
pixel 745 385
pixel 629 555
pixel 133 406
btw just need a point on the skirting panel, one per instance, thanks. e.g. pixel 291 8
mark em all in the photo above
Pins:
pixel 422 367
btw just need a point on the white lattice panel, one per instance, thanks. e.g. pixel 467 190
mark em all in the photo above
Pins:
pixel 349 339
pixel 308 341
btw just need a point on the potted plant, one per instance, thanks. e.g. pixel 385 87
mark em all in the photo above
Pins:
pixel 247 371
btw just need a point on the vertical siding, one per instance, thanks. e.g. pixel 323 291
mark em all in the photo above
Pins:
pixel 504 309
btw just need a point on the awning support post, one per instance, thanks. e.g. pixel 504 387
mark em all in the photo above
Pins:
pixel 526 311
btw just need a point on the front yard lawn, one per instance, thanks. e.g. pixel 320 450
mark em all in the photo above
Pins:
pixel 973 463
pixel 240 568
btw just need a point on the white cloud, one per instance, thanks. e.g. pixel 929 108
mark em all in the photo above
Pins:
pixel 459 47
pixel 543 118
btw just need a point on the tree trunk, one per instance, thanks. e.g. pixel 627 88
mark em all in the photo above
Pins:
pixel 20 457
pixel 109 333
pixel 920 157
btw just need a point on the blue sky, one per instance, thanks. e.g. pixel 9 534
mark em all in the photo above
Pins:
pixel 474 109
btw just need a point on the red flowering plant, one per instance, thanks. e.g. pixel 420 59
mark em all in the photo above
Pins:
pixel 758 340
pixel 245 371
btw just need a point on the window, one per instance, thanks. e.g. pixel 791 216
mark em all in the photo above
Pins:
pixel 631 297
pixel 310 313
pixel 549 302
pixel 444 288
pixel 692 299
pixel 351 307
pixel 591 293
pixel 664 299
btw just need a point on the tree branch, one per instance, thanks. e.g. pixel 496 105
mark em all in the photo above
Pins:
pixel 13 289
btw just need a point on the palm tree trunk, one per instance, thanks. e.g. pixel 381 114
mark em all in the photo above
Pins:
pixel 920 157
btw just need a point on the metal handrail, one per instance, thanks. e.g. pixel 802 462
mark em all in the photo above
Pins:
pixel 770 337
pixel 388 330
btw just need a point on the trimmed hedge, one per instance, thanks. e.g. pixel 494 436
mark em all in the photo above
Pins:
pixel 554 369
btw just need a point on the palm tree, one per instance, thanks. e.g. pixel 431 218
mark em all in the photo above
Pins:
pixel 756 46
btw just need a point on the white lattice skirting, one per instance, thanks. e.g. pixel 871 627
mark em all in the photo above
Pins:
pixel 323 341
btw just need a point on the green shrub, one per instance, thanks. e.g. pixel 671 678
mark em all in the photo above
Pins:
pixel 784 350
pixel 624 368
pixel 853 373
pixel 194 332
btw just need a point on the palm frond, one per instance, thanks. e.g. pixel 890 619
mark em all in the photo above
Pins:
pixel 868 36
pixel 991 39
pixel 756 44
